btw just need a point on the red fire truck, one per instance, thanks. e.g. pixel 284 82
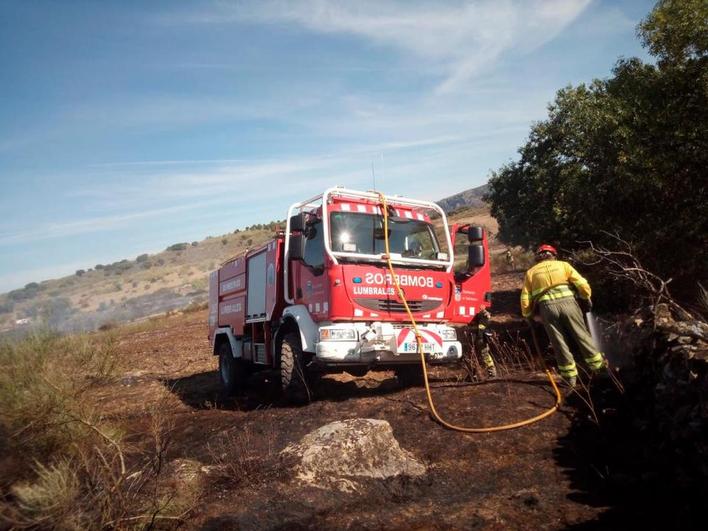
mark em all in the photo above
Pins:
pixel 319 297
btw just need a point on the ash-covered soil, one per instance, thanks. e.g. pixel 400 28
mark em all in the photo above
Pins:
pixel 533 477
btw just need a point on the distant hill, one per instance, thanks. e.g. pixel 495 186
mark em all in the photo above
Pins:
pixel 128 289
pixel 468 198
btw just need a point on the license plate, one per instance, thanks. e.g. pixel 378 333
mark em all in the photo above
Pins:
pixel 413 347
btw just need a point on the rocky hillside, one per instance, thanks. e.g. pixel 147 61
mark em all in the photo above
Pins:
pixel 468 198
pixel 127 289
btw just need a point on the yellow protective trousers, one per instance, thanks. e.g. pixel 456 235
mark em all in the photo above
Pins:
pixel 564 324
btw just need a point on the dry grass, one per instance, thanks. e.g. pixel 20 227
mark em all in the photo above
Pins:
pixel 64 464
pixel 239 454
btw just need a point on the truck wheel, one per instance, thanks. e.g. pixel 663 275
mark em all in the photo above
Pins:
pixel 231 371
pixel 293 379
pixel 410 375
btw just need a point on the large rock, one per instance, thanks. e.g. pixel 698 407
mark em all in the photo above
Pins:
pixel 336 454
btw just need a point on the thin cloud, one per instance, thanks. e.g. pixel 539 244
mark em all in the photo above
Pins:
pixel 94 224
pixel 461 38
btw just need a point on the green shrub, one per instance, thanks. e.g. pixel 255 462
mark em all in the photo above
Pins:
pixel 69 465
pixel 178 246
pixel 42 382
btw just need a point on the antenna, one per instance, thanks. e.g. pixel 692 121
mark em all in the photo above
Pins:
pixel 373 172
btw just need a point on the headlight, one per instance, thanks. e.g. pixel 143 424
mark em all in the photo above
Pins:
pixel 337 334
pixel 448 334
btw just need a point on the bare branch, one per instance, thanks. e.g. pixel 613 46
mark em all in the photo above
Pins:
pixel 622 264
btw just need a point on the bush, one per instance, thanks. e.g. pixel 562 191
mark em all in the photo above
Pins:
pixel 28 292
pixel 178 246
pixel 66 465
pixel 195 306
pixel 80 272
pixel 55 311
pixel 6 307
pixel 108 325
pixel 42 382
pixel 224 241
pixel 194 244
pixel 142 258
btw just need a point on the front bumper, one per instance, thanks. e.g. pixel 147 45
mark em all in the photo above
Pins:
pixel 388 344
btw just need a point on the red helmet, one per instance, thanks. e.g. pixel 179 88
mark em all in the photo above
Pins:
pixel 543 248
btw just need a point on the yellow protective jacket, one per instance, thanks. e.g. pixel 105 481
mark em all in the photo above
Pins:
pixel 551 273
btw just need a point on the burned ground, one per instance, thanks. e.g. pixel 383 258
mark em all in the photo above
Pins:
pixel 530 477
pixel 580 468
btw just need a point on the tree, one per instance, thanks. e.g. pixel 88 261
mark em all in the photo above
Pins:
pixel 676 30
pixel 625 155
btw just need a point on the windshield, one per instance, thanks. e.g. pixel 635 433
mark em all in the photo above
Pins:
pixel 363 234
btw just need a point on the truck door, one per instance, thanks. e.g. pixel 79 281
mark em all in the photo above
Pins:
pixel 472 273
pixel 310 279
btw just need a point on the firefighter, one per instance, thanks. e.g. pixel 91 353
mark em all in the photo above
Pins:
pixel 510 264
pixel 547 288
pixel 478 327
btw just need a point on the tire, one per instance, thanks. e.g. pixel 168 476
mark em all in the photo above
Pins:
pixel 410 375
pixel 232 372
pixel 293 379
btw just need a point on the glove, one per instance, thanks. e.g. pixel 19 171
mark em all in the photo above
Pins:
pixel 586 305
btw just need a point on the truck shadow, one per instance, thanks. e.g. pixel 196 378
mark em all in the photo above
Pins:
pixel 203 391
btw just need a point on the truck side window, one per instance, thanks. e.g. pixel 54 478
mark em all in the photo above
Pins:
pixel 314 245
pixel 461 244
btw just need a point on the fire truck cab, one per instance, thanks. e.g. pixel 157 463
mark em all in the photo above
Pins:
pixel 319 297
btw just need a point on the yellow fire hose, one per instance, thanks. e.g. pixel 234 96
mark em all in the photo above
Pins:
pixel 419 342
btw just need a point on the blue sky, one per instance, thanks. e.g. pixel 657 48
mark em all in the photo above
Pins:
pixel 127 126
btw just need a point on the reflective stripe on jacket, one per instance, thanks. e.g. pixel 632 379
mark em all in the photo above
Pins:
pixel 551 273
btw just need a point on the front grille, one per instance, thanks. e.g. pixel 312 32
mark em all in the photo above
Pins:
pixel 390 305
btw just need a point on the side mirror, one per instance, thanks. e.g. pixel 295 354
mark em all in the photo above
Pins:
pixel 297 223
pixel 475 256
pixel 296 247
pixel 475 234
